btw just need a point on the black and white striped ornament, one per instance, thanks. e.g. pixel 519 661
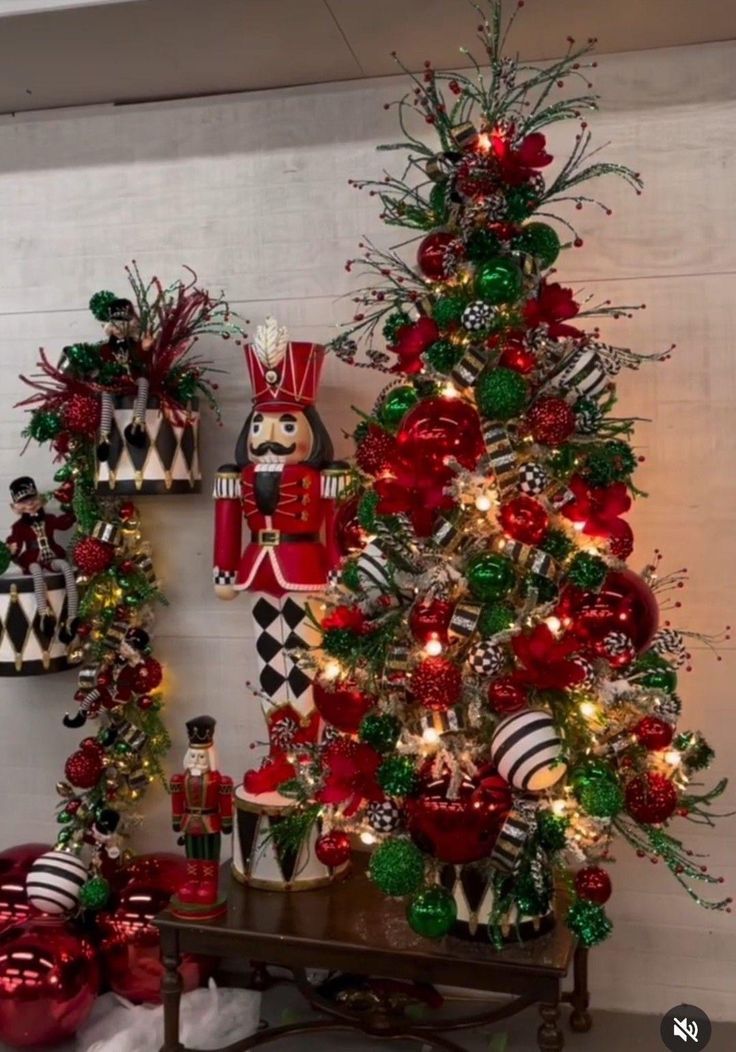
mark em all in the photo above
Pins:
pixel 54 883
pixel 617 649
pixel 588 416
pixel 486 659
pixel 373 570
pixel 669 707
pixel 587 667
pixel 670 645
pixel 526 751
pixel 580 375
pixel 533 479
pixel 385 816
pixel 477 316
pixel 511 841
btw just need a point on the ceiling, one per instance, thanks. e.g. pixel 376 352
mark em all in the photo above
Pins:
pixel 57 53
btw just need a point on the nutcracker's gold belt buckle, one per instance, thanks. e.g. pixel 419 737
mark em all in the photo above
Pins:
pixel 269 538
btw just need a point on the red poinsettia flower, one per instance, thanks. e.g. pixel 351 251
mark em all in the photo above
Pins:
pixel 405 491
pixel 348 617
pixel 517 164
pixel 599 509
pixel 552 306
pixel 351 768
pixel 546 660
pixel 410 343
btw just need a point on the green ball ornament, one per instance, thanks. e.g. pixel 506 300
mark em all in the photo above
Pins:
pixel 83 357
pixel 63 818
pixel 381 730
pixel 100 304
pixel 490 576
pixel 397 776
pixel 122 749
pixel 501 394
pixel 94 894
pixel 45 424
pixel 482 246
pixel 395 404
pixel 664 679
pixel 397 867
pixel 64 836
pixel 597 791
pixel 5 557
pixel 443 356
pixel 432 912
pixel 499 281
pixel 588 922
pixel 64 473
pixel 610 462
pixel 187 387
pixel 340 643
pixel 557 544
pixel 551 830
pixel 540 241
pixel 392 324
pixel 587 571
pixel 448 310
pixel 563 461
pixel 497 617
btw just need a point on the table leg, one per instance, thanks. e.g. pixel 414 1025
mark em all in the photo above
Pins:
pixel 580 1019
pixel 171 991
pixel 549 1035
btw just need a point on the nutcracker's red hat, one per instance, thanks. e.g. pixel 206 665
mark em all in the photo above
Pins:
pixel 290 380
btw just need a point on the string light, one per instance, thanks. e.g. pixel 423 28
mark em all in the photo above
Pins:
pixel 588 709
pixel 430 736
pixel 449 390
pixel 673 757
pixel 332 670
pixel 367 838
pixel 483 502
pixel 433 647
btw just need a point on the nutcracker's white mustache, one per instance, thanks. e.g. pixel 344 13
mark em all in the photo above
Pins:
pixel 272 447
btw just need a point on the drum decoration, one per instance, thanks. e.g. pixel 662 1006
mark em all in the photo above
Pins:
pixel 25 650
pixel 471 886
pixel 258 862
pixel 168 461
pixel 54 883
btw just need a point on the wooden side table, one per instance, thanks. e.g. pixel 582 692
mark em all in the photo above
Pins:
pixel 352 927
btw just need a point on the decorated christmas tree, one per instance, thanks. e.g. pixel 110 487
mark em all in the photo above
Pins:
pixel 499 687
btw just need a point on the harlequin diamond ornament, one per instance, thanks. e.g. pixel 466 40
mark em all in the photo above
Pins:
pixel 486 659
pixel 385 816
pixel 533 479
pixel 477 316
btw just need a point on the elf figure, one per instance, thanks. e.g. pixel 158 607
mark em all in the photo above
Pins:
pixel 126 348
pixel 202 810
pixel 284 485
pixel 34 548
pixel 115 682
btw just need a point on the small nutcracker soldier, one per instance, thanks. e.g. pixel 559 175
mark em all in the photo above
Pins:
pixel 201 810
pixel 284 485
pixel 126 348
pixel 33 546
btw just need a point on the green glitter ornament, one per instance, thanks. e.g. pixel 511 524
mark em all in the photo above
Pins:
pixel 395 404
pixel 367 510
pixel 63 818
pixel 551 830
pixel 5 557
pixel 110 372
pixel 64 473
pixel 497 617
pixel 443 356
pixel 546 590
pixel 392 324
pixel 652 671
pixel 83 357
pixel 100 304
pixel 381 730
pixel 45 424
pixel 397 867
pixel 557 544
pixel 397 776
pixel 499 281
pixel 482 246
pixel 490 576
pixel 588 922
pixel 597 790
pixel 432 912
pixel 187 386
pixel 350 576
pixel 448 310
pixel 341 643
pixel 610 462
pixel 540 241
pixel 94 894
pixel 501 394
pixel 587 571
pixel 63 837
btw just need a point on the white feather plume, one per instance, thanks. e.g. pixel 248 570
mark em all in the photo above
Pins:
pixel 270 342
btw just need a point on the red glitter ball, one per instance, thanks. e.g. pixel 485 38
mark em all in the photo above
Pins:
pixel 81 414
pixel 593 884
pixel 551 421
pixel 376 452
pixel 651 798
pixel 436 683
pixel 93 556
pixel 654 733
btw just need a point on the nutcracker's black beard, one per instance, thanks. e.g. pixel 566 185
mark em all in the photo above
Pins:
pixel 267 487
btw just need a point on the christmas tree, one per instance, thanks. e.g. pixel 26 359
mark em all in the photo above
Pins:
pixel 499 687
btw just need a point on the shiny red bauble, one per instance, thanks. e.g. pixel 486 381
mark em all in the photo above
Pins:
pixel 83 769
pixel 333 849
pixel 519 358
pixel 436 683
pixel 551 421
pixel 625 604
pixel 49 979
pixel 524 519
pixel 593 884
pixel 349 535
pixel 342 704
pixel 81 415
pixel 15 862
pixel 430 619
pixel 93 556
pixel 437 429
pixel 438 254
pixel 127 511
pixel 147 676
pixel 465 828
pixel 654 733
pixel 651 798
pixel 65 493
pixel 505 696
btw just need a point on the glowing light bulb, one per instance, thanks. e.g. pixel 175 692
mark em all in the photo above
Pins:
pixel 673 757
pixel 579 526
pixel 430 736
pixel 483 502
pixel 433 647
pixel 587 709
pixel 553 624
pixel 367 838
pixel 332 670
pixel 449 390
pixel 559 807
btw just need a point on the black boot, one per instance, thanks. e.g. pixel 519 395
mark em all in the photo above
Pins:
pixel 135 434
pixel 48 623
pixel 68 630
pixel 103 450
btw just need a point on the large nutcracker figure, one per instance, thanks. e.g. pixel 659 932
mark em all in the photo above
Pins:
pixel 202 811
pixel 283 485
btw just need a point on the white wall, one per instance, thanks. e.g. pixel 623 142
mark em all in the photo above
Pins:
pixel 252 192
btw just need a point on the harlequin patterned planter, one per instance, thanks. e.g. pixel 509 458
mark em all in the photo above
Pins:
pixel 24 649
pixel 473 893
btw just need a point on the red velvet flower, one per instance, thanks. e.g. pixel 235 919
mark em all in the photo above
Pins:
pixel 348 617
pixel 546 660
pixel 600 510
pixel 517 164
pixel 404 491
pixel 351 776
pixel 410 343
pixel 553 306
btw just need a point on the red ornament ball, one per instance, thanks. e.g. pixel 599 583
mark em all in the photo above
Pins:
pixel 622 544
pixel 376 452
pixel 438 253
pixel 430 619
pixel 83 769
pixel 147 676
pixel 505 696
pixel 93 556
pixel 145 702
pixel 519 358
pixel 350 536
pixel 551 421
pixel 593 884
pixel 476 176
pixel 654 733
pixel 127 511
pixel 91 745
pixel 465 828
pixel 524 519
pixel 651 798
pixel 81 415
pixel 333 849
pixel 437 429
pixel 65 493
pixel 436 683
pixel 342 704
pixel 625 604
